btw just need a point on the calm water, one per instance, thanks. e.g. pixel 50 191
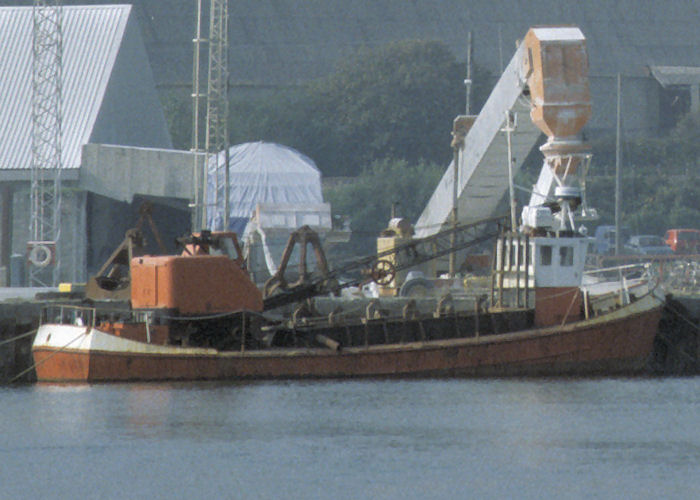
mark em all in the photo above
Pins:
pixel 620 438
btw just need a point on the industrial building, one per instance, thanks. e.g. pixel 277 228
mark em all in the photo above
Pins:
pixel 121 61
pixel 108 97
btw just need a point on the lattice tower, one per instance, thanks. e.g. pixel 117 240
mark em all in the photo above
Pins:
pixel 47 110
pixel 199 177
pixel 217 105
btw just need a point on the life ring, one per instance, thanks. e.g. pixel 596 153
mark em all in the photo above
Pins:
pixel 40 255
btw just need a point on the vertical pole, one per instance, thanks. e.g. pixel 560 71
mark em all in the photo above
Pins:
pixel 509 128
pixel 618 168
pixel 453 236
pixel 197 169
pixel 227 185
pixel 518 263
pixel 468 81
pixel 5 229
pixel 527 270
pixel 500 253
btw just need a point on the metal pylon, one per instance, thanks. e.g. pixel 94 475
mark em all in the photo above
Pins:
pixel 217 106
pixel 47 112
pixel 198 170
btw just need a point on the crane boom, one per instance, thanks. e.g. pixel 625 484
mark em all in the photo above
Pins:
pixel 552 62
pixel 482 170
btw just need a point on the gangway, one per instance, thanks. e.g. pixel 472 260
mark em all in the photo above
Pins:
pixel 483 159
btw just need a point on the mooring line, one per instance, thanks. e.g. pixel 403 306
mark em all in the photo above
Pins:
pixel 13 339
pixel 675 347
pixel 23 372
pixel 682 316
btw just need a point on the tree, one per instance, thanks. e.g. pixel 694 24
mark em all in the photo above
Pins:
pixel 660 187
pixel 369 198
pixel 177 107
pixel 395 101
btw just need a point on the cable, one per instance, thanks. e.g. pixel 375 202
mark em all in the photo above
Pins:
pixel 682 316
pixel 23 372
pixel 13 339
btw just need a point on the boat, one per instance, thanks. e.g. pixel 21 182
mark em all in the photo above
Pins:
pixel 618 342
pixel 198 315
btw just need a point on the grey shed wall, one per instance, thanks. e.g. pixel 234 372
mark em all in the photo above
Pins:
pixel 131 113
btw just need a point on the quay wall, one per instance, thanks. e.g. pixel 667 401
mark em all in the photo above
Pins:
pixel 16 318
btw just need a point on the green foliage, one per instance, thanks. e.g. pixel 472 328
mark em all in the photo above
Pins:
pixel 395 101
pixel 278 118
pixel 177 107
pixel 369 197
pixel 392 108
pixel 659 180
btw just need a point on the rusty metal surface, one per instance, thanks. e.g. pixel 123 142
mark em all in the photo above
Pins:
pixel 192 284
pixel 620 345
pixel 557 305
pixel 408 255
pixel 557 67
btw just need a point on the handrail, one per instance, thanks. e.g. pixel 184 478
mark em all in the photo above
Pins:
pixel 617 268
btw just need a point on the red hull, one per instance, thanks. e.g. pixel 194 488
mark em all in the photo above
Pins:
pixel 619 345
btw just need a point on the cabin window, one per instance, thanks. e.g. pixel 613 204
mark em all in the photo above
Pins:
pixel 566 256
pixel 546 255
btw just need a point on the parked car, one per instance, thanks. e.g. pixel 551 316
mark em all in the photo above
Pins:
pixel 605 239
pixel 683 241
pixel 647 244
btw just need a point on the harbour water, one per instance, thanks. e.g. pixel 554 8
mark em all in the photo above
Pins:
pixel 432 439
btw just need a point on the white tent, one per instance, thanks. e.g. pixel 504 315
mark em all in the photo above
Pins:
pixel 261 172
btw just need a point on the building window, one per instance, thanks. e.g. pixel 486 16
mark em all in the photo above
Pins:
pixel 546 255
pixel 566 256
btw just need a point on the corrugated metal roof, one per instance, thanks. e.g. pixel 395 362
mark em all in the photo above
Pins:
pixel 92 36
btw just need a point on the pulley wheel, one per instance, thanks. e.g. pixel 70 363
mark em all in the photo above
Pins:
pixel 383 272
